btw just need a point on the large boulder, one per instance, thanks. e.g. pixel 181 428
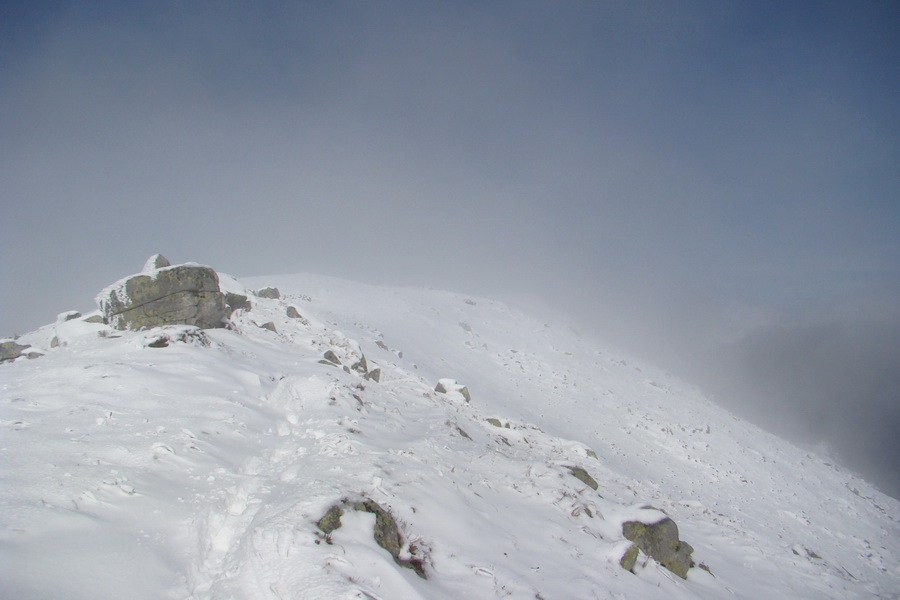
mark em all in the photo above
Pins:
pixel 186 294
pixel 660 541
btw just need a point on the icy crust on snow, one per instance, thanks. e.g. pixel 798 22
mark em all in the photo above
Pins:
pixel 200 469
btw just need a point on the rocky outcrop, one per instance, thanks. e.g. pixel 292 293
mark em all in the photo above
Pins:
pixel 361 366
pixel 10 350
pixel 386 532
pixel 186 294
pixel 450 387
pixel 660 541
pixel 269 292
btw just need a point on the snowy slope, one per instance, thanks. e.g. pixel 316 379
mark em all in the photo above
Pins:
pixel 199 469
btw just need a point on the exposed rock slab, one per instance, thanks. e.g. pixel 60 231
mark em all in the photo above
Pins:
pixel 583 476
pixel 186 294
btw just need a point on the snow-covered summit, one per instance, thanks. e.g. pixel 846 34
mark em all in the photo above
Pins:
pixel 179 462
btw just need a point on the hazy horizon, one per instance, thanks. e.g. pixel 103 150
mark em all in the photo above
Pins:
pixel 713 187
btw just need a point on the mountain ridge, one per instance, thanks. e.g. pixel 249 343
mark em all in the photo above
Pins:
pixel 241 439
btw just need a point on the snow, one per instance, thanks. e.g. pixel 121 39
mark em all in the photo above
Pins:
pixel 228 284
pixel 199 469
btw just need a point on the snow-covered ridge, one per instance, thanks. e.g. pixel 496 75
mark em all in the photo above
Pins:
pixel 187 463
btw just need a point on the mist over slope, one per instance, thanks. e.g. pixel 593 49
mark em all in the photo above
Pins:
pixel 186 463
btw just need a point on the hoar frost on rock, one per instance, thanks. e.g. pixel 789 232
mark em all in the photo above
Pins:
pixel 154 263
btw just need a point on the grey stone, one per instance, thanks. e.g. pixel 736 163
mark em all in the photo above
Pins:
pixel 293 313
pixel 445 386
pixel 180 295
pixel 236 301
pixel 170 335
pixel 374 375
pixel 386 532
pixel 270 326
pixel 361 366
pixel 269 292
pixel 157 261
pixel 660 541
pixel 584 477
pixel 465 392
pixel 10 350
pixel 629 558
pixel 331 358
pixel 159 342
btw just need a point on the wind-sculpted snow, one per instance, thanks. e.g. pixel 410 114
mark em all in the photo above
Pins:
pixel 200 469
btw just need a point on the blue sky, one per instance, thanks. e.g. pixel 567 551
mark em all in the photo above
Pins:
pixel 707 184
